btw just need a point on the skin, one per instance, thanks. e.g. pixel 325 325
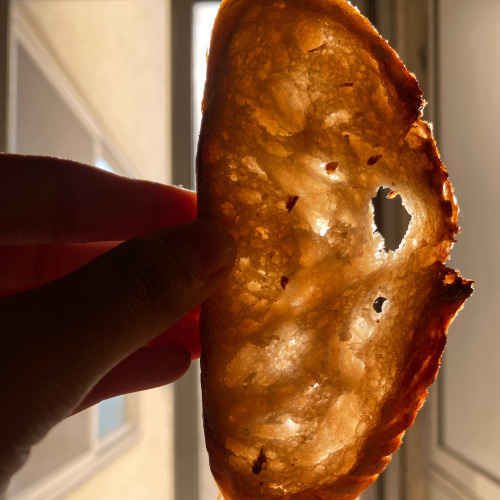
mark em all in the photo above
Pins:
pixel 100 279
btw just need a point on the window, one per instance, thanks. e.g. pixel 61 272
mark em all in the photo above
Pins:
pixel 111 416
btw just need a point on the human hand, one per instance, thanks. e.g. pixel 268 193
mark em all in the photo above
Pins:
pixel 81 314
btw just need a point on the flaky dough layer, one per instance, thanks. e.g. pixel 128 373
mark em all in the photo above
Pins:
pixel 307 389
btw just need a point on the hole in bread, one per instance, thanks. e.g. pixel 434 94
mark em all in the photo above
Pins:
pixel 378 304
pixel 391 218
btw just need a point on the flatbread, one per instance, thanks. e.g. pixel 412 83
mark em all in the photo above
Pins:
pixel 308 380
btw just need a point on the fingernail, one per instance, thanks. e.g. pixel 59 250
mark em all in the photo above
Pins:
pixel 206 246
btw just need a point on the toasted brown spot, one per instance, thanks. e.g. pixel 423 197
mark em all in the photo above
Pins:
pixel 284 281
pixel 331 167
pixel 374 159
pixel 260 462
pixel 349 84
pixel 322 46
pixel 290 203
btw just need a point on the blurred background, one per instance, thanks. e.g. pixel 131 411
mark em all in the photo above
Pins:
pixel 118 84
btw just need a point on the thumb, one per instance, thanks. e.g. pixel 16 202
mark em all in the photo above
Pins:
pixel 60 339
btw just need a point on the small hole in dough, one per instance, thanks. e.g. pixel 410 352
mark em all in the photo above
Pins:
pixel 391 218
pixel 378 304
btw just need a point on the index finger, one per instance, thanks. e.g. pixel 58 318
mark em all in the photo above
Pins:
pixel 48 200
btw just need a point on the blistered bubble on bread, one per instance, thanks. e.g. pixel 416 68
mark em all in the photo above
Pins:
pixel 318 349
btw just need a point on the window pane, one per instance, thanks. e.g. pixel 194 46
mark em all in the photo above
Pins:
pixel 111 415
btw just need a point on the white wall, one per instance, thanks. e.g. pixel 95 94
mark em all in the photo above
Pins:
pixel 469 128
